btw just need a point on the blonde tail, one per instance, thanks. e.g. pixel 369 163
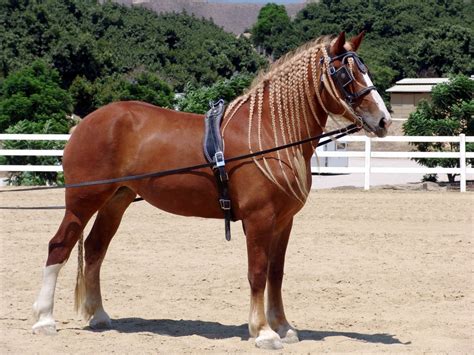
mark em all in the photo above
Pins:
pixel 80 291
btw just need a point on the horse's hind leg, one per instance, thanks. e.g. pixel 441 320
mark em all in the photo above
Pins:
pixel 60 248
pixel 81 205
pixel 275 312
pixel 104 228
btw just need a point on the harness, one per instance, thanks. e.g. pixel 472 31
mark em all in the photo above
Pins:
pixel 343 77
pixel 214 153
pixel 330 78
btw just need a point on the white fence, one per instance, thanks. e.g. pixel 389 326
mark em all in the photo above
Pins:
pixel 367 154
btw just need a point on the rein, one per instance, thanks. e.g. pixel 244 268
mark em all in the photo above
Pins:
pixel 339 133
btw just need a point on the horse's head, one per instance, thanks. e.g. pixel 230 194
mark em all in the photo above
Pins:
pixel 350 92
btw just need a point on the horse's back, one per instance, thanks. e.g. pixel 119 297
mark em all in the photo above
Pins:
pixel 123 137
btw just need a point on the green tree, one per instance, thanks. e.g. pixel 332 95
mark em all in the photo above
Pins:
pixel 140 85
pixel 443 50
pixel 273 32
pixel 83 93
pixel 34 94
pixel 450 113
pixel 197 100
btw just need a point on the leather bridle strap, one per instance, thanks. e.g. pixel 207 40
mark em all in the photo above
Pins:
pixel 331 81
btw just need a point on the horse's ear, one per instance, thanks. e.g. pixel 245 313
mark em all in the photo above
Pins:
pixel 338 45
pixel 357 40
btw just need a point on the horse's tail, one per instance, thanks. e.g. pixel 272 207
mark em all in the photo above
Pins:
pixel 80 291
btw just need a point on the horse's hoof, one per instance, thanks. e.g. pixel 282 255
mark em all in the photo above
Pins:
pixel 290 337
pixel 268 339
pixel 45 327
pixel 100 320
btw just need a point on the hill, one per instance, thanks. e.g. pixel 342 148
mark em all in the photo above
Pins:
pixel 232 17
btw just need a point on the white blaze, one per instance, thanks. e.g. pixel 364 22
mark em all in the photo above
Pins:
pixel 377 98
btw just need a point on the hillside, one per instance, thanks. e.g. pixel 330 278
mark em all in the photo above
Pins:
pixel 233 17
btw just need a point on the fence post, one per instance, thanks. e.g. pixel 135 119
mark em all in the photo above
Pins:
pixel 368 148
pixel 462 161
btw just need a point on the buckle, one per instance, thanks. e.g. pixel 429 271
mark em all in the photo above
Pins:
pixel 225 204
pixel 219 159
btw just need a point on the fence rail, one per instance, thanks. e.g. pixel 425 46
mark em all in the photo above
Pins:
pixel 367 154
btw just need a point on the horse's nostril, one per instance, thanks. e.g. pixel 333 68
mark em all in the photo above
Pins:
pixel 384 123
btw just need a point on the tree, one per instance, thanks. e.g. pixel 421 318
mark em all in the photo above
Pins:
pixel 450 113
pixel 139 85
pixel 442 50
pixel 273 32
pixel 197 100
pixel 32 101
pixel 34 94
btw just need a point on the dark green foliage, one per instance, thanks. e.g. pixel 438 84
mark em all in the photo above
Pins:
pixel 83 93
pixel 34 94
pixel 273 33
pixel 92 41
pixel 441 50
pixel 142 86
pixel 137 85
pixel 197 100
pixel 451 112
pixel 409 38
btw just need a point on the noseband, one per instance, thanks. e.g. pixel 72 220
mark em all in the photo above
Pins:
pixel 344 76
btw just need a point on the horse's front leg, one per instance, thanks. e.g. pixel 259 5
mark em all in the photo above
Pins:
pixel 259 239
pixel 275 312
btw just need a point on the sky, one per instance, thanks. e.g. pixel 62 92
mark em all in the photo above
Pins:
pixel 261 1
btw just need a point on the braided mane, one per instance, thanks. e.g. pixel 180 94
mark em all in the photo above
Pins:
pixel 286 60
pixel 288 96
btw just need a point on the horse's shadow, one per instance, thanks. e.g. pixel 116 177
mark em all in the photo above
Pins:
pixel 214 330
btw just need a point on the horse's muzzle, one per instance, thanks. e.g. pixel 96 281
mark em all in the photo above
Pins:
pixel 380 128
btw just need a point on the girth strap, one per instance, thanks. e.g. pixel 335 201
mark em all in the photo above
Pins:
pixel 213 151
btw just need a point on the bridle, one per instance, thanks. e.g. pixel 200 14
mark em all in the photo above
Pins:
pixel 336 81
pixel 343 76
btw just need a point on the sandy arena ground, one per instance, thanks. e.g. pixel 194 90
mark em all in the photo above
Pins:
pixel 378 271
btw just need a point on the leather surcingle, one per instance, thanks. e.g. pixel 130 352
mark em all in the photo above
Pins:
pixel 214 153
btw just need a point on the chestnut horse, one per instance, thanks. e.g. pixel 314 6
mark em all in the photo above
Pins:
pixel 290 101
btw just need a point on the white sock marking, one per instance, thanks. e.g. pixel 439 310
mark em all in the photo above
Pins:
pixel 45 301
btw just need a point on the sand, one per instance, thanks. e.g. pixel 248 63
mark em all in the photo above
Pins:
pixel 378 271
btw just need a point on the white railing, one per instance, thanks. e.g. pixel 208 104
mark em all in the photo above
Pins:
pixel 32 152
pixel 367 154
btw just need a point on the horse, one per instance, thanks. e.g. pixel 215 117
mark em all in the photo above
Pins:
pixel 289 101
